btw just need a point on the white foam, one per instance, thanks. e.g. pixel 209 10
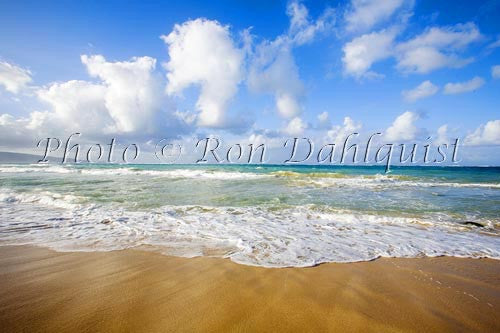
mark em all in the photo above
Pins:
pixel 297 179
pixel 177 173
pixel 45 198
pixel 30 168
pixel 127 171
pixel 262 236
pixel 376 181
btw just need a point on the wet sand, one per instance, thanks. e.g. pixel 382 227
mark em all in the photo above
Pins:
pixel 139 291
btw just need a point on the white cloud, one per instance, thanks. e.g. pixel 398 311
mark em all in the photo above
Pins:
pixel 403 128
pixel 426 59
pixel 302 30
pixel 132 91
pixel 6 119
pixel 488 134
pixel 323 117
pixel 463 87
pixel 362 52
pixel 74 104
pixel 128 99
pixel 14 78
pixel 272 66
pixel 299 15
pixel 296 126
pixel 455 37
pixel 495 44
pixel 425 89
pixel 202 52
pixel 274 70
pixel 495 72
pixel 324 120
pixel 365 14
pixel 14 132
pixel 270 138
pixel 338 133
pixel 442 135
pixel 437 48
pixel 287 105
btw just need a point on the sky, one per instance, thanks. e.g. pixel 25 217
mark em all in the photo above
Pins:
pixel 252 72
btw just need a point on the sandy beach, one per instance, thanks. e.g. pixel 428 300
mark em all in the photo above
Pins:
pixel 250 166
pixel 141 291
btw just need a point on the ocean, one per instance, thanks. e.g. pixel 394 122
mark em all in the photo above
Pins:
pixel 261 215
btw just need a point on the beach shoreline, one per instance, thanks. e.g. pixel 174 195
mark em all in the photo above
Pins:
pixel 131 290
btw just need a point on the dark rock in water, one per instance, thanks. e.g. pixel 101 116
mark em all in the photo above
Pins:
pixel 475 224
pixel 106 221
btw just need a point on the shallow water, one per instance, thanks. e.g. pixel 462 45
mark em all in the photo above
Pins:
pixel 273 216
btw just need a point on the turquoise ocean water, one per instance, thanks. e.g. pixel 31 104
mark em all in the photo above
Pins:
pixel 265 215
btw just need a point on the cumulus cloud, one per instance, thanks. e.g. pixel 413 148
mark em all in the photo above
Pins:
pixel 74 104
pixel 337 134
pixel 488 134
pixel 436 48
pixel 127 99
pixel 323 120
pixel 14 78
pixel 423 90
pixel 272 67
pixel 495 72
pixel 463 87
pixel 270 138
pixel 442 135
pixel 296 126
pixel 16 132
pixel 202 52
pixel 298 14
pixel 323 117
pixel 362 52
pixel 364 14
pixel 132 91
pixel 403 128
pixel 302 29
pixel 274 71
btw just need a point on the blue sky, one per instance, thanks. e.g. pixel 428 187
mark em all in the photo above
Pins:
pixel 254 71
